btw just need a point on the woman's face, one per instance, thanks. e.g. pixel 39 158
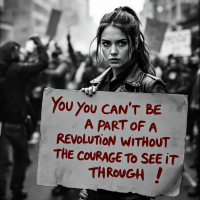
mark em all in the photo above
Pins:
pixel 114 45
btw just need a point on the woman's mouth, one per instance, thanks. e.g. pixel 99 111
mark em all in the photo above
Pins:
pixel 114 60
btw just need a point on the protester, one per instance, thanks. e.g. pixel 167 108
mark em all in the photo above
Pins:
pixel 193 63
pixel 34 92
pixel 194 108
pixel 57 71
pixel 158 67
pixel 16 76
pixel 124 50
pixel 85 73
pixel 177 80
pixel 76 57
pixel 76 63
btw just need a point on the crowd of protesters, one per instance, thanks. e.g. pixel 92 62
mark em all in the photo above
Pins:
pixel 182 76
pixel 24 75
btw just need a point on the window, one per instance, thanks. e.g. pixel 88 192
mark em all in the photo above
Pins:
pixel 174 12
pixel 185 11
pixel 194 11
pixel 38 22
pixel 189 11
pixel 172 1
pixel 40 9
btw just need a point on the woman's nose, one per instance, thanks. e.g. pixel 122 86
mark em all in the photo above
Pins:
pixel 113 50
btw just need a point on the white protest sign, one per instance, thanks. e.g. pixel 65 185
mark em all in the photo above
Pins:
pixel 124 142
pixel 177 43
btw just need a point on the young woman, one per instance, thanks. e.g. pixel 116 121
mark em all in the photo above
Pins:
pixel 120 44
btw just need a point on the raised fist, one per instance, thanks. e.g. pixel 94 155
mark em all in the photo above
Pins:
pixel 36 39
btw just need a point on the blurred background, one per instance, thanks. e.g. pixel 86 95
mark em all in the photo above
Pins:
pixel 66 28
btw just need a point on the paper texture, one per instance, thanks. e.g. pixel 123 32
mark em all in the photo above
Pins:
pixel 124 142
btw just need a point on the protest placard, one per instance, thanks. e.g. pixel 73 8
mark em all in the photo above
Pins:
pixel 154 32
pixel 124 142
pixel 177 43
pixel 53 23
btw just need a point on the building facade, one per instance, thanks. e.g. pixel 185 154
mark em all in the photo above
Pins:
pixel 76 20
pixel 21 18
pixel 6 21
pixel 25 17
pixel 179 14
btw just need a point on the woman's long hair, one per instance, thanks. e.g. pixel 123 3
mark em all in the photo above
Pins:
pixel 127 20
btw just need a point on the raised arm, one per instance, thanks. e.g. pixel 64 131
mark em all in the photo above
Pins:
pixel 71 51
pixel 29 70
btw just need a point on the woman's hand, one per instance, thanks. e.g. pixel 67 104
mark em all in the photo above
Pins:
pixel 83 194
pixel 90 90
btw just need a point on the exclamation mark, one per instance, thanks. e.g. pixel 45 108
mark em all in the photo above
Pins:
pixel 158 174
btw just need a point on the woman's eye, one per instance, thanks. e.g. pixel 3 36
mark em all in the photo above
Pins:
pixel 105 44
pixel 121 43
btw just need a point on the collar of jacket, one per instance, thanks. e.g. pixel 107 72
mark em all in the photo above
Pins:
pixel 134 78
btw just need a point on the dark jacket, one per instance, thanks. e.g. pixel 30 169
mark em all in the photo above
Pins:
pixel 136 81
pixel 17 76
pixel 178 81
